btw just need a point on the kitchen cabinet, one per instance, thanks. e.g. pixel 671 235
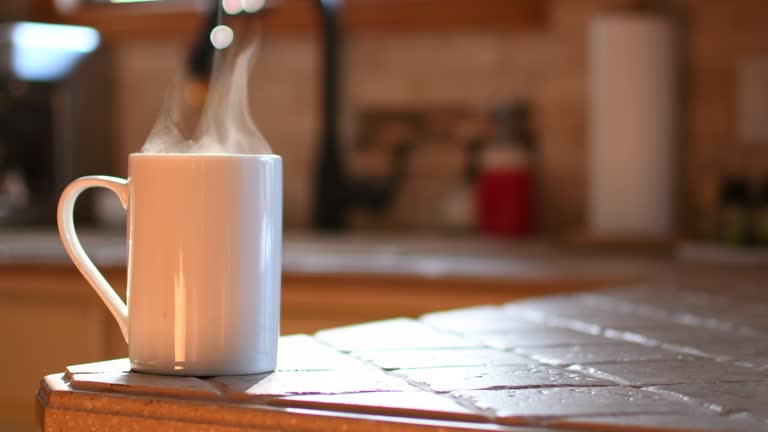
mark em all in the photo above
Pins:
pixel 46 319
pixel 314 302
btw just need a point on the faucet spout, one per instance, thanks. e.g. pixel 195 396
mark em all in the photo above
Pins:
pixel 336 191
pixel 330 178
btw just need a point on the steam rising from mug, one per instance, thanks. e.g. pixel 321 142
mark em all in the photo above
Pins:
pixel 225 125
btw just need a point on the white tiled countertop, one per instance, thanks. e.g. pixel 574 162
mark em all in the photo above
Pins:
pixel 640 358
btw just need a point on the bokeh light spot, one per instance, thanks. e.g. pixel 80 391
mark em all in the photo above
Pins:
pixel 222 36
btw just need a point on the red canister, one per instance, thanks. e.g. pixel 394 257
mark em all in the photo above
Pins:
pixel 504 194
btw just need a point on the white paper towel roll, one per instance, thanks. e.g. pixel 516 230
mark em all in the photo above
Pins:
pixel 634 117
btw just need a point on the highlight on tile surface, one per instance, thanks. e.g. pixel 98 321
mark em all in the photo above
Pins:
pixel 671 372
pixel 751 397
pixel 477 319
pixel 497 377
pixel 432 358
pixel 109 366
pixel 142 383
pixel 542 336
pixel 409 404
pixel 573 401
pixel 709 342
pixel 303 353
pixel 397 333
pixel 607 352
pixel 583 311
pixel 308 382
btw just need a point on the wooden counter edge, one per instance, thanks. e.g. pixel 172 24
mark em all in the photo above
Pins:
pixel 59 407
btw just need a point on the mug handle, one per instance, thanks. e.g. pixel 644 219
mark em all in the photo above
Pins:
pixel 75 250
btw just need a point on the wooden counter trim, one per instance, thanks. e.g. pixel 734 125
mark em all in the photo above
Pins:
pixel 310 302
pixel 541 283
pixel 79 410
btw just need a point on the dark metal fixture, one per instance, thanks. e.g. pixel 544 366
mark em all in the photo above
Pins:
pixel 335 190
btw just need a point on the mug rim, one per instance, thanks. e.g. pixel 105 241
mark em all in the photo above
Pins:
pixel 205 155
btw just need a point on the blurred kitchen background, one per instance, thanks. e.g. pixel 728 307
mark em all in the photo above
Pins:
pixel 438 153
pixel 558 119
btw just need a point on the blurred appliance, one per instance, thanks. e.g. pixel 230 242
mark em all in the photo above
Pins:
pixel 54 116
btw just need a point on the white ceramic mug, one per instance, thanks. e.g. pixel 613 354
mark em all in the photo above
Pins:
pixel 204 254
